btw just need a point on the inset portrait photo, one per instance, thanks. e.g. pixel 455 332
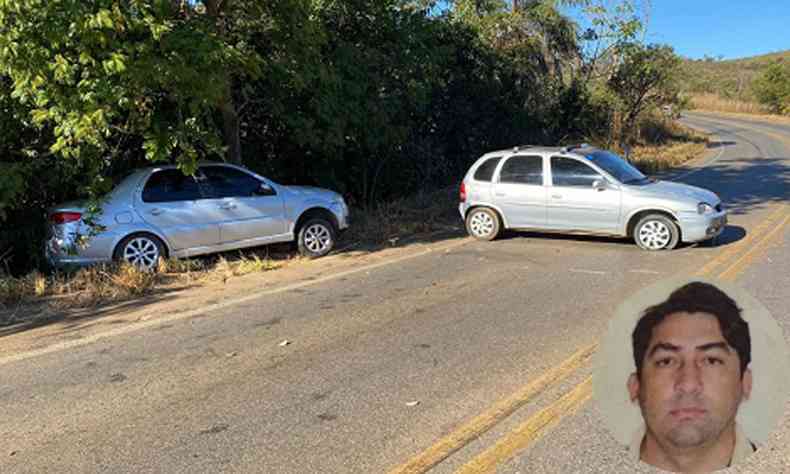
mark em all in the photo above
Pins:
pixel 692 375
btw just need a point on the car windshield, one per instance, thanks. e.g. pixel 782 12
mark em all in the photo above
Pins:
pixel 620 169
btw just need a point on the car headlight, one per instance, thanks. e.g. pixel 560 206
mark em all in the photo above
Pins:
pixel 704 208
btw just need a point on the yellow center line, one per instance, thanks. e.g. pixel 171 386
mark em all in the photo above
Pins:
pixel 545 420
pixel 489 418
pixel 742 263
pixel 732 250
pixel 530 431
pixel 542 422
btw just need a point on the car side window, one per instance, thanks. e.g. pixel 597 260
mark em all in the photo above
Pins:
pixel 224 181
pixel 522 170
pixel 485 172
pixel 169 186
pixel 570 172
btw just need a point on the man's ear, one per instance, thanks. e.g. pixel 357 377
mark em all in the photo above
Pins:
pixel 633 387
pixel 746 384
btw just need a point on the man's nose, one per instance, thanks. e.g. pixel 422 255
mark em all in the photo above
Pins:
pixel 689 378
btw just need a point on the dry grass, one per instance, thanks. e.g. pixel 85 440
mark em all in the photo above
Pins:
pixel 84 288
pixel 664 144
pixel 714 103
pixel 389 222
pixel 93 286
pixel 653 159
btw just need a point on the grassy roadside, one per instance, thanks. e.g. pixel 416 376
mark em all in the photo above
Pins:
pixel 734 108
pixel 666 145
pixel 755 117
pixel 383 226
pixel 715 103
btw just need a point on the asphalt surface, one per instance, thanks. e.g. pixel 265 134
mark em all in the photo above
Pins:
pixel 363 372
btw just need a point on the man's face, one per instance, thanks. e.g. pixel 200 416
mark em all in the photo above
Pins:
pixel 691 384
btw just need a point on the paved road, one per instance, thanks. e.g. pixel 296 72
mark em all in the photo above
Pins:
pixel 384 363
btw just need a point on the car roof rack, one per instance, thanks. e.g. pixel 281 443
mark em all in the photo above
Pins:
pixel 518 148
pixel 568 148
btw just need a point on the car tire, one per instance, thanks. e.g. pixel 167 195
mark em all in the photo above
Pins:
pixel 656 232
pixel 483 223
pixel 140 250
pixel 316 238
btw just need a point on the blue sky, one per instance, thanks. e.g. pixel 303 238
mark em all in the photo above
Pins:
pixel 728 28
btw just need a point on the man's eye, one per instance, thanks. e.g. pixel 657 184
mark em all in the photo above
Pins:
pixel 665 362
pixel 713 361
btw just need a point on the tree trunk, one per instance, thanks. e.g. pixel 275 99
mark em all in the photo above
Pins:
pixel 230 127
pixel 230 117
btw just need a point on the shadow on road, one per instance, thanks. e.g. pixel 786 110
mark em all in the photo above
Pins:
pixel 32 316
pixel 721 144
pixel 746 184
pixel 730 235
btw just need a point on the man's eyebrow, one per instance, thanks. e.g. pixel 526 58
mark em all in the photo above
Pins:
pixel 714 345
pixel 663 346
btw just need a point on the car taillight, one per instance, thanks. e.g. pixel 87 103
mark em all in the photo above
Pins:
pixel 462 192
pixel 64 217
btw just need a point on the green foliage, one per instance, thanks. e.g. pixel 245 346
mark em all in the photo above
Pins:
pixel 646 78
pixel 376 99
pixel 772 88
pixel 92 70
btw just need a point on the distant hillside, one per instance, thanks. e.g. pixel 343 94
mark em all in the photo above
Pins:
pixel 730 79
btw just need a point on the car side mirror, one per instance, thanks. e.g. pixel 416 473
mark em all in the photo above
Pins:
pixel 599 185
pixel 265 190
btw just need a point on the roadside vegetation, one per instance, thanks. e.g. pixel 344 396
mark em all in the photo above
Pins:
pixel 387 102
pixel 756 85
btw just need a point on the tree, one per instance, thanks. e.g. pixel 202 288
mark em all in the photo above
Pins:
pixel 97 71
pixel 772 88
pixel 646 77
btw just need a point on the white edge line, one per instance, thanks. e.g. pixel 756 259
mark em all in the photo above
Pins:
pixel 146 323
pixel 592 272
pixel 707 163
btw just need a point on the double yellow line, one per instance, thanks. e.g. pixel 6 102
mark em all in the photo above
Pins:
pixel 734 260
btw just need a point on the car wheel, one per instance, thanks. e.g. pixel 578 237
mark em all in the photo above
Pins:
pixel 483 224
pixel 316 238
pixel 140 250
pixel 656 232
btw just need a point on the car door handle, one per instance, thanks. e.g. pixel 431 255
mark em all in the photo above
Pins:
pixel 156 211
pixel 228 206
pixel 500 194
pixel 556 196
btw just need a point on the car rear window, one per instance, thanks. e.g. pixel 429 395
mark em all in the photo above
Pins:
pixel 171 185
pixel 224 181
pixel 485 172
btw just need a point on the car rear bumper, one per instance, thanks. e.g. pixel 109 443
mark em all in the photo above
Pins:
pixel 61 253
pixel 704 227
pixel 462 208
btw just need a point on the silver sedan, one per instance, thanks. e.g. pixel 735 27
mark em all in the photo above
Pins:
pixel 160 212
pixel 585 190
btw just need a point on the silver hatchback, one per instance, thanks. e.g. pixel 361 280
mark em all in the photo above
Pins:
pixel 581 189
pixel 160 212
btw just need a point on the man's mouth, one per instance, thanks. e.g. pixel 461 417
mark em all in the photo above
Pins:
pixel 690 413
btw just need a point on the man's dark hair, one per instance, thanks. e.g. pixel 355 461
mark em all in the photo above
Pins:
pixel 695 297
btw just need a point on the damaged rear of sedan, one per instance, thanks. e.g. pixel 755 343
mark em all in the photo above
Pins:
pixel 159 212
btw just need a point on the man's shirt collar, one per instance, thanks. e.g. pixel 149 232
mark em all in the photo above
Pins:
pixel 743 447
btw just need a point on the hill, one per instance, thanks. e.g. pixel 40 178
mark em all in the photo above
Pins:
pixel 728 79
